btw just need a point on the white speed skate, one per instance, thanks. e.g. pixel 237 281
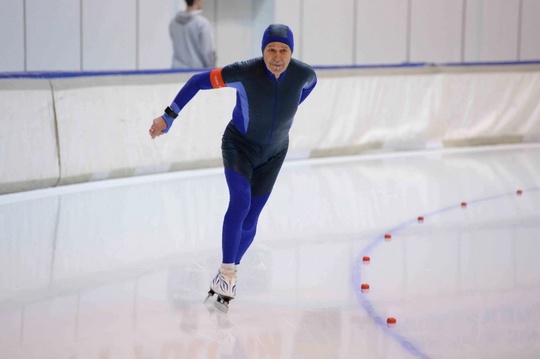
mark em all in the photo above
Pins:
pixel 224 285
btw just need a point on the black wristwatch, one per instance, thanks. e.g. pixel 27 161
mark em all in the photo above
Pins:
pixel 169 111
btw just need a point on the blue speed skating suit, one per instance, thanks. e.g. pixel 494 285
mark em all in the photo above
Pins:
pixel 255 142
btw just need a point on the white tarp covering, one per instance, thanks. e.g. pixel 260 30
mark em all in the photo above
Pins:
pixel 28 146
pixel 103 121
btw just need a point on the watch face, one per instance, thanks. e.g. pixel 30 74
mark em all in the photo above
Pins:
pixel 170 112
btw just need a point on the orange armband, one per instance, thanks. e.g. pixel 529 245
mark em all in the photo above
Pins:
pixel 216 80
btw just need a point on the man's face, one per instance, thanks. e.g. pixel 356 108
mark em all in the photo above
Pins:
pixel 277 56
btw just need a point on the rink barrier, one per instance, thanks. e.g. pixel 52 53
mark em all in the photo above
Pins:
pixel 66 128
pixel 28 139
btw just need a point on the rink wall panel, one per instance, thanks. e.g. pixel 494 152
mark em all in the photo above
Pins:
pixel 28 142
pixel 70 130
pixel 65 35
pixel 103 125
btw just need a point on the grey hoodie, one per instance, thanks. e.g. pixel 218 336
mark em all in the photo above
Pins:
pixel 193 41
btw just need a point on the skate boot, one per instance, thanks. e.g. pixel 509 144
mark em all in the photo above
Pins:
pixel 224 285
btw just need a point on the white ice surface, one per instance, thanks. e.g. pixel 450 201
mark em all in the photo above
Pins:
pixel 119 268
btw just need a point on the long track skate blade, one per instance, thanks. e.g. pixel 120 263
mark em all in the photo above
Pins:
pixel 221 306
pixel 209 296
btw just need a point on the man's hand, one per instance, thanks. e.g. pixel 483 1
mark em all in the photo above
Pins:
pixel 158 125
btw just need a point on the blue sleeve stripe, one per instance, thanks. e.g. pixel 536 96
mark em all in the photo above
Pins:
pixel 244 106
pixel 307 90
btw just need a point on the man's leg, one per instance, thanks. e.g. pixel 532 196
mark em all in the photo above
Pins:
pixel 262 182
pixel 249 228
pixel 239 207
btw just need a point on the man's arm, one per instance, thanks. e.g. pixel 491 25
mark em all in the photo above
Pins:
pixel 201 81
pixel 197 82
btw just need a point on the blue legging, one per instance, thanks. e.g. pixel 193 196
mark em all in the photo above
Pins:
pixel 240 222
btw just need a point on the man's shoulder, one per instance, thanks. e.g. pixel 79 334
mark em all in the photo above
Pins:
pixel 301 65
pixel 256 61
pixel 246 64
pixel 301 69
pixel 243 70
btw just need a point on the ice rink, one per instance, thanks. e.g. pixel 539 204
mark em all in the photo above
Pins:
pixel 120 268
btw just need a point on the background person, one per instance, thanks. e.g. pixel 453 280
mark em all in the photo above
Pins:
pixel 192 38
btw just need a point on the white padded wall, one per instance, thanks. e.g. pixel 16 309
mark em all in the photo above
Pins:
pixel 154 43
pixel 102 122
pixel 435 32
pixel 109 35
pixel 491 30
pixel 530 28
pixel 59 35
pixel 11 35
pixel 28 142
pixel 328 32
pixel 234 33
pixel 103 126
pixel 53 35
pixel 381 32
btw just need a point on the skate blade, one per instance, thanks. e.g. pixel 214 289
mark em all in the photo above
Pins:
pixel 209 297
pixel 221 306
